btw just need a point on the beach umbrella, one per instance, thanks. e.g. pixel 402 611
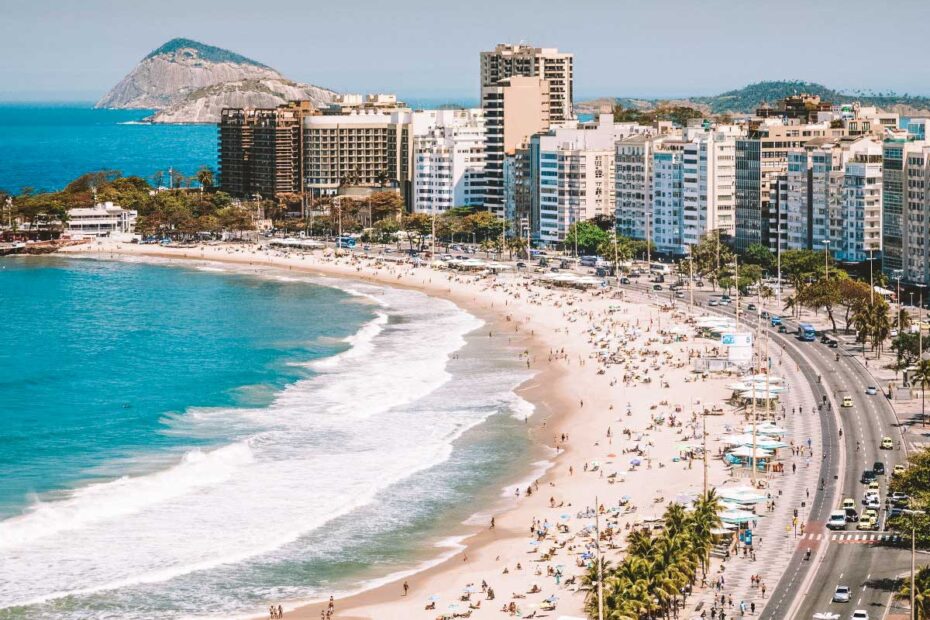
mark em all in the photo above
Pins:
pixel 636 461
pixel 433 597
pixel 747 452
pixel 611 456
pixel 565 517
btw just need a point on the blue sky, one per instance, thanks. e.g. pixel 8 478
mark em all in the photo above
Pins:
pixel 77 49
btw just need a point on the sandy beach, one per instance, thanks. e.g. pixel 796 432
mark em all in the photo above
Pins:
pixel 618 408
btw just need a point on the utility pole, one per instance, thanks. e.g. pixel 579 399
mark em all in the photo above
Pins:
pixel 826 259
pixel 691 285
pixel 704 444
pixel 736 263
pixel 871 280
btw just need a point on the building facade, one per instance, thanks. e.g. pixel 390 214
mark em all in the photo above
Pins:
pixel 556 67
pixel 449 163
pixel 104 219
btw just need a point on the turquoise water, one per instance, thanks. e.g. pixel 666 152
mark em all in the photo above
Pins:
pixel 44 146
pixel 192 441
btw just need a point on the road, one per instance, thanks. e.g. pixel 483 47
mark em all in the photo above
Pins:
pixel 856 559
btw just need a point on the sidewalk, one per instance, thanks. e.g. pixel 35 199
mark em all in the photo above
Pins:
pixel 774 538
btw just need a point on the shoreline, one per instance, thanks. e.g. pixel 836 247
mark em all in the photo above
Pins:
pixel 558 392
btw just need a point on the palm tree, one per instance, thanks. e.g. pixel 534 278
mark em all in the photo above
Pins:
pixel 921 376
pixel 921 594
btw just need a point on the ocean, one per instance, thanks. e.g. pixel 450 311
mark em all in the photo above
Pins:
pixel 193 441
pixel 46 145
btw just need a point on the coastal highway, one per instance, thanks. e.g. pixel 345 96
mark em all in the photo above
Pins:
pixel 865 565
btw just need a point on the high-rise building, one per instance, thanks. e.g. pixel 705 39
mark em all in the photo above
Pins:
pixel 634 185
pixel 507 61
pixel 709 182
pixel 260 150
pixel 449 161
pixel 906 197
pixel 761 158
pixel 834 197
pixel 515 108
pixel 572 175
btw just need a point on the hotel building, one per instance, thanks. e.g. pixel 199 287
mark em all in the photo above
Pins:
pixel 449 162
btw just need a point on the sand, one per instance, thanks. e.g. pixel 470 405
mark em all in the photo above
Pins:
pixel 579 399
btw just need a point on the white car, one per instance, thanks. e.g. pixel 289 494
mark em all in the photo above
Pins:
pixel 841 594
pixel 837 520
pixel 871 390
pixel 860 614
pixel 874 503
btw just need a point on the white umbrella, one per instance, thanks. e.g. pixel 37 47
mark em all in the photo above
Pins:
pixel 737 516
pixel 746 452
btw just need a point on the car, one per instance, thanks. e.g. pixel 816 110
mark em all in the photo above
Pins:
pixel 899 469
pixel 724 297
pixel 851 516
pixel 725 301
pixel 833 344
pixel 765 314
pixel 680 294
pixel 699 283
pixel 841 594
pixel 898 499
pixel 624 280
pixel 874 503
pixel 657 287
pixel 871 390
pixel 775 320
pixel 849 503
pixel 713 302
pixel 847 401
pixel 870 513
pixel 521 265
pixel 837 520
pixel 867 476
pixel 873 485
pixel 879 468
pixel 750 306
pixel 782 329
pixel 867 523
pixel 887 443
pixel 860 614
pixel 600 272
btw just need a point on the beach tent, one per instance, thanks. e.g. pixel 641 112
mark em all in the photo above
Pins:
pixel 766 428
pixel 741 495
pixel 738 516
pixel 746 452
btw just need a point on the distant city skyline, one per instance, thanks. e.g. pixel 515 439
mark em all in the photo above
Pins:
pixel 423 50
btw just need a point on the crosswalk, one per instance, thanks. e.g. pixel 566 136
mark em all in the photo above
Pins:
pixel 853 538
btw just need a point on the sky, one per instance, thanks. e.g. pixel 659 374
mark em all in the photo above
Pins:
pixel 78 49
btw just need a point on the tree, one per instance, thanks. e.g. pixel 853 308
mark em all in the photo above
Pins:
pixel 759 254
pixel 205 178
pixel 921 376
pixel 921 592
pixel 588 235
pixel 850 294
pixel 417 226
pixel 711 257
pixel 914 482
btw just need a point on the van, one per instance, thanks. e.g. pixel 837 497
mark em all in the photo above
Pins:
pixel 837 520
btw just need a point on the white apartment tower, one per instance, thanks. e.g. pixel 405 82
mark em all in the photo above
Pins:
pixel 449 162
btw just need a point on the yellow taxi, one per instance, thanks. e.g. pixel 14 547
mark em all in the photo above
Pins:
pixel 899 469
pixel 868 522
pixel 887 443
pixel 847 401
pixel 874 485
pixel 849 504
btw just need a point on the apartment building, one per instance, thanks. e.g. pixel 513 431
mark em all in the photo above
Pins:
pixel 667 219
pixel 260 150
pixel 906 218
pixel 556 67
pixel 634 184
pixel 514 108
pixel 761 158
pixel 834 197
pixel 449 162
pixel 571 175
pixel 709 182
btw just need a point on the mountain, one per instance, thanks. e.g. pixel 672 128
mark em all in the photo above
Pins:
pixel 747 99
pixel 187 81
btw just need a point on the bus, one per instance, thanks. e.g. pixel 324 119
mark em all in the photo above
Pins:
pixel 662 269
pixel 346 242
pixel 806 332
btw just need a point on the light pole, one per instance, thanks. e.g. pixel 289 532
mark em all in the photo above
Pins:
pixel 826 259
pixel 920 323
pixel 913 514
pixel 871 281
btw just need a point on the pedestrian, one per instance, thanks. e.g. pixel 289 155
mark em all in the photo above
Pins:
pixel 763 589
pixel 752 608
pixel 406 587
